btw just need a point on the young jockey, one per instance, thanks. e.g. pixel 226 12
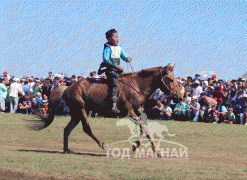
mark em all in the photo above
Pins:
pixel 111 64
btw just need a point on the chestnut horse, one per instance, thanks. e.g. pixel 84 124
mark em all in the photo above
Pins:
pixel 90 94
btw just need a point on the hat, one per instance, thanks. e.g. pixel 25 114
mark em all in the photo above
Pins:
pixel 206 82
pixel 230 109
pixel 184 78
pixel 244 96
pixel 213 76
pixel 197 82
pixel 193 98
pixel 60 80
pixel 16 79
pixel 197 75
pixel 243 79
pixel 5 72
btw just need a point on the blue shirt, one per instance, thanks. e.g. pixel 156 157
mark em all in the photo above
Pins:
pixel 107 56
pixel 26 90
pixel 3 91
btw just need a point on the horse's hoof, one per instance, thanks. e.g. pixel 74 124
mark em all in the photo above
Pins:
pixel 159 153
pixel 106 147
pixel 136 145
pixel 68 152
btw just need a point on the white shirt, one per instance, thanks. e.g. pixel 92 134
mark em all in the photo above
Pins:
pixel 14 89
pixel 197 92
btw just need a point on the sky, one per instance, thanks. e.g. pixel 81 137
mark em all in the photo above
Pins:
pixel 41 36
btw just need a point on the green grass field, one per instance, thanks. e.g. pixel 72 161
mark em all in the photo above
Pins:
pixel 214 151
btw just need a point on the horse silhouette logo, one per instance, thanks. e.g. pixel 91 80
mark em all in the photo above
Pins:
pixel 154 128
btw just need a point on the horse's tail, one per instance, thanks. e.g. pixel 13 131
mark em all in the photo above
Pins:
pixel 47 119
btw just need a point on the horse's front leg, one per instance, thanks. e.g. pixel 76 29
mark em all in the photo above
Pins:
pixel 143 127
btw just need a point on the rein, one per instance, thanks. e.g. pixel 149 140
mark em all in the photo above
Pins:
pixel 133 83
pixel 169 89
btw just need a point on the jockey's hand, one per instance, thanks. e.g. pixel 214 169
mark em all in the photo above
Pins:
pixel 120 68
pixel 129 60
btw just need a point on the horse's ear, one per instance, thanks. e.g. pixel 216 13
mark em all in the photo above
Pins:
pixel 172 68
pixel 169 65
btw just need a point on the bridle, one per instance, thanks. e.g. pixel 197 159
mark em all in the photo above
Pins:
pixel 162 80
pixel 143 92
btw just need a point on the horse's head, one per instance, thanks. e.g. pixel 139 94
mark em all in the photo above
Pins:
pixel 169 82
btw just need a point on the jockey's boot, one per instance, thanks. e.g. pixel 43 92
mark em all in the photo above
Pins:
pixel 114 108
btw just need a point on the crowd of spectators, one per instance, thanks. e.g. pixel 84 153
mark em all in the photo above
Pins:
pixel 208 100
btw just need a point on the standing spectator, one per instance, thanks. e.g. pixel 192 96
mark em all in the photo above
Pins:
pixel 210 81
pixel 205 87
pixel 46 89
pixel 26 89
pixel 181 86
pixel 218 93
pixel 50 76
pixel 197 90
pixel 194 108
pixel 188 86
pixel 3 94
pixel 55 84
pixel 37 88
pixel 239 94
pixel 15 90
pixel 240 107
pixel 214 78
pixel 197 77
pixel 6 76
pixel 244 83
pixel 187 99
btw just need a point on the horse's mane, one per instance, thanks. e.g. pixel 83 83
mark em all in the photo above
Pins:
pixel 144 72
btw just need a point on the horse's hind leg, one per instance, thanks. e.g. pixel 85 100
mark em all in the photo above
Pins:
pixel 67 130
pixel 87 129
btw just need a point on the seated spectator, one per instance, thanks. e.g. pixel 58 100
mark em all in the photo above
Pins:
pixel 181 111
pixel 194 108
pixel 166 112
pixel 230 117
pixel 44 108
pixel 25 107
pixel 157 109
pixel 206 104
pixel 38 100
pixel 45 98
pixel 222 110
pixel 213 115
